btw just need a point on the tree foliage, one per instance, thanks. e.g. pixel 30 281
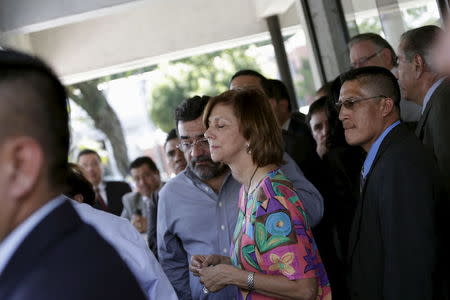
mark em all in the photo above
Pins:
pixel 206 74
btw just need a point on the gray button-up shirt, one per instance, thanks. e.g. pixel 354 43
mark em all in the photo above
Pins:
pixel 193 219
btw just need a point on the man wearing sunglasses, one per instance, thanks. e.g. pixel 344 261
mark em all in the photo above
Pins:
pixel 370 49
pixel 393 240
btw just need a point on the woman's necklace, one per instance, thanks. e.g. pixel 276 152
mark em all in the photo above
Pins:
pixel 250 181
pixel 249 190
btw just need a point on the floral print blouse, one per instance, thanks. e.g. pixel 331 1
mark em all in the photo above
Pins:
pixel 272 236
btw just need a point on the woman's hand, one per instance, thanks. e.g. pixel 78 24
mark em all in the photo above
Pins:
pixel 202 261
pixel 215 278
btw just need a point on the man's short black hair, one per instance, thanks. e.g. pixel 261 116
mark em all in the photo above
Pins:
pixel 171 135
pixel 190 109
pixel 86 152
pixel 277 90
pixel 38 108
pixel 320 104
pixel 380 80
pixel 78 184
pixel 144 160
pixel 248 72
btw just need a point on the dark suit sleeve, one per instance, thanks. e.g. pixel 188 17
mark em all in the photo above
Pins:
pixel 152 220
pixel 441 139
pixel 406 215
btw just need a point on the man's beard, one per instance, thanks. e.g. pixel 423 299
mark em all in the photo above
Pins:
pixel 209 170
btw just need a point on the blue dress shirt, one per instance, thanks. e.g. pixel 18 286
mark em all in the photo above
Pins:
pixel 374 150
pixel 193 220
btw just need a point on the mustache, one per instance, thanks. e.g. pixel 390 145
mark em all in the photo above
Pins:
pixel 203 158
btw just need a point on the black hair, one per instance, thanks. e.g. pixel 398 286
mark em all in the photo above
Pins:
pixel 375 39
pixel 39 109
pixel 171 135
pixel 248 72
pixel 76 183
pixel 381 80
pixel 144 160
pixel 190 109
pixel 277 90
pixel 86 152
pixel 320 104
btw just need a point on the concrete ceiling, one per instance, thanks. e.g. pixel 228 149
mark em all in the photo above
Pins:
pixel 85 39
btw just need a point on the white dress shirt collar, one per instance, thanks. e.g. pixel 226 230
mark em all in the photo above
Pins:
pixel 10 244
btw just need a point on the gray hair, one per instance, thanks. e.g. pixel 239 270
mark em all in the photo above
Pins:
pixel 375 39
pixel 419 41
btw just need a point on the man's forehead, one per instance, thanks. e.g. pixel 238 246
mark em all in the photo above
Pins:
pixel 352 88
pixel 191 129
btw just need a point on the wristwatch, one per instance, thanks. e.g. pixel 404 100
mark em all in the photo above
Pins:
pixel 251 281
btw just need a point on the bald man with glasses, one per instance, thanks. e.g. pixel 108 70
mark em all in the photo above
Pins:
pixel 393 240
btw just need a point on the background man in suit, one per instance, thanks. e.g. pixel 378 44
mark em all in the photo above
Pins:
pixel 370 49
pixel 422 84
pixel 46 251
pixel 108 194
pixel 140 207
pixel 393 240
pixel 175 156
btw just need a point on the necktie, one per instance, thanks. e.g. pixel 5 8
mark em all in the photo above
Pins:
pixel 98 199
pixel 362 180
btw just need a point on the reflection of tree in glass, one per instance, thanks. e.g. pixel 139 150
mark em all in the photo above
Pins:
pixel 304 82
pixel 371 24
pixel 206 74
pixel 419 16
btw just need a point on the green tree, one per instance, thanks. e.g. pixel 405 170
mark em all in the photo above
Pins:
pixel 206 74
pixel 305 82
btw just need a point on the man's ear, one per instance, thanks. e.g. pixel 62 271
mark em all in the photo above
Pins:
pixel 387 106
pixel 386 55
pixel 24 157
pixel 419 65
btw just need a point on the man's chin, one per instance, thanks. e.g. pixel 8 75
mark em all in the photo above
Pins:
pixel 208 170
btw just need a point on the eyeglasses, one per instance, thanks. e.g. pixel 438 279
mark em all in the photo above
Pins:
pixel 187 146
pixel 364 59
pixel 348 103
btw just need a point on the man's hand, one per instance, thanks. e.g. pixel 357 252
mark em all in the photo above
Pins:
pixel 139 222
pixel 202 261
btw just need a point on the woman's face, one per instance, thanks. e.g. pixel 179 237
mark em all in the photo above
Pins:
pixel 319 127
pixel 225 140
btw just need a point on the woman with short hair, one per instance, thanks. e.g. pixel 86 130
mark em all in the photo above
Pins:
pixel 274 255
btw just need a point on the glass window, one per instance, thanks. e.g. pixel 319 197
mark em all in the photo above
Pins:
pixel 389 20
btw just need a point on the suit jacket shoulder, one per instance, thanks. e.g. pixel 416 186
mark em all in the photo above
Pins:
pixel 54 262
pixel 115 191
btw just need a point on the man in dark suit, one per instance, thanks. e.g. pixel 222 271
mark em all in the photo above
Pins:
pixel 423 85
pixel 108 194
pixel 140 207
pixel 46 251
pixel 393 241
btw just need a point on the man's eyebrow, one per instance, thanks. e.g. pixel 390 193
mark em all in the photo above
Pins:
pixel 185 137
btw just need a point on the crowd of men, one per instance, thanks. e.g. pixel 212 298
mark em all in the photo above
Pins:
pixel 373 173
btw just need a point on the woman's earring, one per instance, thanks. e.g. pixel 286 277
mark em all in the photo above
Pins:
pixel 248 148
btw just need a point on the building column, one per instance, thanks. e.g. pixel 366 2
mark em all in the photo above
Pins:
pixel 327 28
pixel 273 24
